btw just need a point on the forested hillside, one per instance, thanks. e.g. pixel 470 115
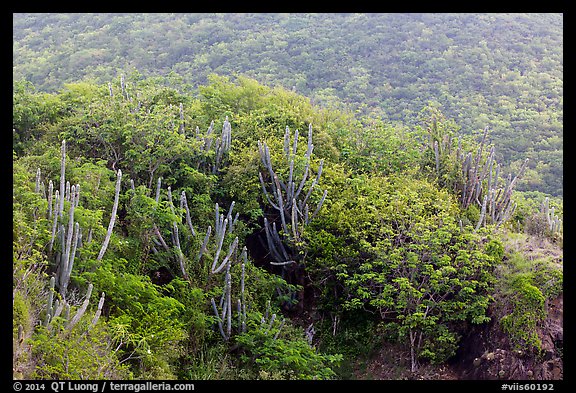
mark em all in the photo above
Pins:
pixel 194 225
pixel 504 71
pixel 246 234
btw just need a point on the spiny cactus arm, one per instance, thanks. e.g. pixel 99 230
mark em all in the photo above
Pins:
pixel 280 204
pixel 482 213
pixel 158 186
pixel 208 138
pixel 218 221
pixel 77 197
pixel 275 206
pixel 317 207
pixel 66 249
pixel 184 204
pixel 112 217
pixel 160 237
pixel 226 261
pixel 49 198
pixel 229 303
pixel 174 233
pixel 275 245
pixel 294 221
pixel 227 134
pixel 290 182
pixel 204 244
pixel 487 167
pixel 67 198
pixel 546 210
pixel 99 311
pixel 67 268
pixel 220 238
pixel 283 263
pixel 242 312
pixel 310 145
pixel 218 318
pixel 82 308
pixel 49 307
pixel 62 178
pixel 37 185
pixel 55 219
pixel 270 323
pixel 506 213
pixel 179 251
pixel 265 158
pixel 58 307
pixel 287 142
pixel 231 220
pixel 313 183
pixel 271 246
pixel 304 178
pixel 295 143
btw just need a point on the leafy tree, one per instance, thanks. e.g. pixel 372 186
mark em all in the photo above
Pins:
pixel 409 260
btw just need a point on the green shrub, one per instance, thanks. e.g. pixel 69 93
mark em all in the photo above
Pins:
pixel 527 303
pixel 83 353
pixel 288 356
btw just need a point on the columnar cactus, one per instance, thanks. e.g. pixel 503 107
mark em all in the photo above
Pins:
pixel 62 178
pixel 288 200
pixel 223 311
pixel 69 237
pixel 220 145
pixel 112 217
pixel 553 221
pixel 479 184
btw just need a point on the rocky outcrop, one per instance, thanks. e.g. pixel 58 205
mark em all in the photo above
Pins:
pixel 486 354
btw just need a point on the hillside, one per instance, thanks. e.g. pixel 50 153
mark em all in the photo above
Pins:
pixel 504 71
pixel 246 234
pixel 287 197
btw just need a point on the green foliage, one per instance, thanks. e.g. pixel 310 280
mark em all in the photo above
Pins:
pixel 498 69
pixel 384 259
pixel 414 265
pixel 77 355
pixel 286 356
pixel 524 288
pixel 528 311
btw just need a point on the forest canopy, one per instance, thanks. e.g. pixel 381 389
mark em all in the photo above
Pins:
pixel 498 70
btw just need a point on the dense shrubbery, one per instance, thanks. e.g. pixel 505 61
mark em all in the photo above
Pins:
pixel 187 285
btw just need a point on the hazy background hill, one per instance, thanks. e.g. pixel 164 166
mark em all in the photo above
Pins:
pixel 504 71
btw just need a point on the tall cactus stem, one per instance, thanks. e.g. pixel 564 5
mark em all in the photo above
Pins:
pixel 82 308
pixel 62 178
pixel 112 217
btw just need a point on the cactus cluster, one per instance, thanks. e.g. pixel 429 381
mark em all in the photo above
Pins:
pixel 553 221
pixel 55 307
pixel 224 223
pixel 289 199
pixel 220 144
pixel 68 237
pixel 267 322
pixel 479 182
pixel 223 311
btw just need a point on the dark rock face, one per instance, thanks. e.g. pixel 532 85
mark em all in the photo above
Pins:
pixel 488 354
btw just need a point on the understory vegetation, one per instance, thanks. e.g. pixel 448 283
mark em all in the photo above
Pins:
pixel 244 233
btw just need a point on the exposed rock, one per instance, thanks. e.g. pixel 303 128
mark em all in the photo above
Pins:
pixel 486 354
